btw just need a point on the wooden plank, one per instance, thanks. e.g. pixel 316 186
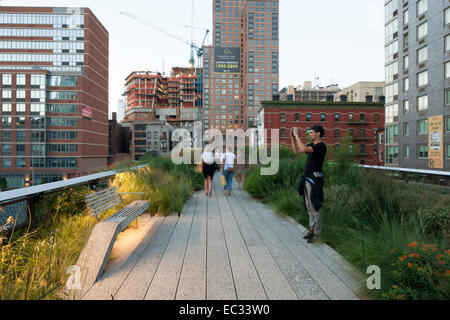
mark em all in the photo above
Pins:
pixel 220 283
pixel 192 284
pixel 246 279
pixel 165 281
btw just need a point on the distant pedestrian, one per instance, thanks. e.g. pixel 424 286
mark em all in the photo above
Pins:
pixel 228 165
pixel 240 171
pixel 312 182
pixel 209 167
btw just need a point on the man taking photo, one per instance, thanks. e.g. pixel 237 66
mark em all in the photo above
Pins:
pixel 311 184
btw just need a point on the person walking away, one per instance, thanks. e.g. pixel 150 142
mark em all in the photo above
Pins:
pixel 209 168
pixel 228 165
pixel 312 182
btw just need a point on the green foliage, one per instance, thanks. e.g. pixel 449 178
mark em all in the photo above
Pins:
pixel 3 183
pixel 365 215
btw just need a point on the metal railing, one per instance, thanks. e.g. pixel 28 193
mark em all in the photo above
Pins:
pixel 17 195
pixel 441 178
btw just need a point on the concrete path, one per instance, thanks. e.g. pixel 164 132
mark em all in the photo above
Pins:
pixel 224 248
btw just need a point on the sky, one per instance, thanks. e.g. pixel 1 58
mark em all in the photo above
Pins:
pixel 337 41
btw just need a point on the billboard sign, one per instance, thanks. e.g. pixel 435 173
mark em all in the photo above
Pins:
pixel 86 113
pixel 227 60
pixel 435 142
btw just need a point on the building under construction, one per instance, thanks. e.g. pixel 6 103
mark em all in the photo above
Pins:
pixel 156 103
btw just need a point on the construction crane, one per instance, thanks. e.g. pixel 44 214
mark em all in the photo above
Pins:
pixel 193 46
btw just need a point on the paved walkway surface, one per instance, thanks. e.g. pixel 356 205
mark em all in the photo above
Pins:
pixel 223 248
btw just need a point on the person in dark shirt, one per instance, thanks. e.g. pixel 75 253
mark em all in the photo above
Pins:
pixel 311 184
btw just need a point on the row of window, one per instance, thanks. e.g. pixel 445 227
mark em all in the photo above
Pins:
pixel 38 108
pixel 74 17
pixel 41 162
pixel 56 46
pixel 35 57
pixel 39 122
pixel 39 136
pixel 337 117
pixel 421 152
pixel 39 149
pixel 56 34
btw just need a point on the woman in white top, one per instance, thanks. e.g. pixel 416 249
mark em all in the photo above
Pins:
pixel 209 167
pixel 228 164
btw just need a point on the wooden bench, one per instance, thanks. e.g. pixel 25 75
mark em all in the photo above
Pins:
pixel 95 254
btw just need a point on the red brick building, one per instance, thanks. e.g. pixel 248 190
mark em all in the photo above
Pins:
pixel 359 120
pixel 54 99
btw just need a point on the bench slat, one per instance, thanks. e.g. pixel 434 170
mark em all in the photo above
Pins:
pixel 94 200
pixel 103 201
pixel 100 193
pixel 101 210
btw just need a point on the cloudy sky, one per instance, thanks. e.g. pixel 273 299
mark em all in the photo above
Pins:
pixel 340 41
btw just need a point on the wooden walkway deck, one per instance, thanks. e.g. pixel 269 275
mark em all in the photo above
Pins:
pixel 224 248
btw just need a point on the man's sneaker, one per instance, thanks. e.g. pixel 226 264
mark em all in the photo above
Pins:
pixel 308 235
pixel 312 239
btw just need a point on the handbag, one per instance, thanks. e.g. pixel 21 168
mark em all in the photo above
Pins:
pixel 223 182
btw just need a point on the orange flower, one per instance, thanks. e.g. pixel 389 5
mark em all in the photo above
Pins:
pixel 424 249
pixel 412 245
pixel 440 256
pixel 447 251
pixel 10 220
pixel 447 271
pixel 409 265
pixel 441 262
pixel 401 258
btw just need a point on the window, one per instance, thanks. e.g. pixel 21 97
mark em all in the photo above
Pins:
pixel 20 80
pixel 297 117
pixel 422 151
pixel 6 162
pixel 447 16
pixel 376 117
pixel 447 152
pixel 20 149
pixel 6 80
pixel 447 124
pixel 6 107
pixel 422 127
pixel 406 129
pixel 336 133
pixel 422 30
pixel 447 70
pixel 362 117
pixel 6 149
pixel 283 117
pixel 350 133
pixel 283 132
pixel 336 117
pixel 406 151
pixel 422 103
pixel 6 94
pixel 405 18
pixel 447 97
pixel 350 117
pixel 447 42
pixel 422 79
pixel 20 162
pixel 6 136
pixel 406 106
pixel 20 136
pixel 308 117
pixel 20 108
pixel 406 62
pixel 406 84
pixel 422 7
pixel 422 55
pixel 322 117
